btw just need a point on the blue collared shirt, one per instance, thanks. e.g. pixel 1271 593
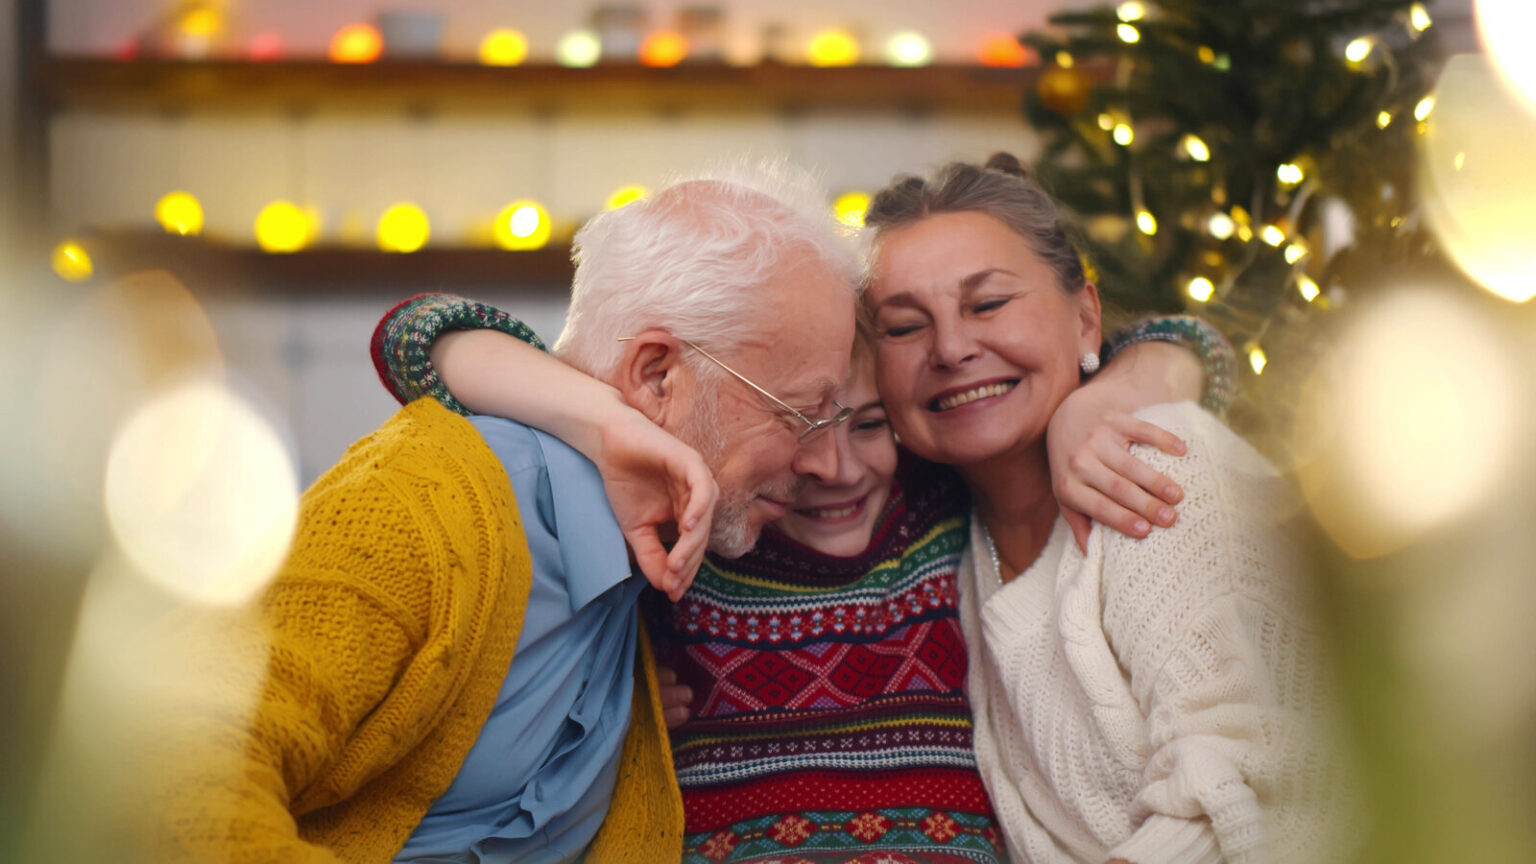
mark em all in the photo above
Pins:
pixel 537 782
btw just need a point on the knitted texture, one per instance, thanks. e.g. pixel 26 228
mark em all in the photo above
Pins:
pixel 1161 699
pixel 829 717
pixel 377 654
pixel 402 342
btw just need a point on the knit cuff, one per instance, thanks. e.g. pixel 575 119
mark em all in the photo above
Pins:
pixel 1166 839
pixel 402 342
pixel 1216 355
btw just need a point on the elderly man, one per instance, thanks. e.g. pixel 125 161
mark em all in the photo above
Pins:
pixel 452 642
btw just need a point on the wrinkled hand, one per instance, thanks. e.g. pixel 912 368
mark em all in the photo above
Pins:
pixel 675 697
pixel 660 489
pixel 1093 473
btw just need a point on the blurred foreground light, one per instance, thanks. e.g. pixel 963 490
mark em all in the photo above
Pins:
pixel 201 494
pixel 908 48
pixel 850 208
pixel 522 226
pixel 403 228
pixel 1002 50
pixel 579 49
pixel 356 43
pixel 282 227
pixel 71 262
pixel 1200 289
pixel 503 46
pixel 1508 28
pixel 180 213
pixel 1405 439
pixel 624 195
pixel 832 48
pixel 1196 148
pixel 1477 178
pixel 663 48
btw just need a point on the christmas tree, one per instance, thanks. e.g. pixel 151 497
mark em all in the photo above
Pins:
pixel 1249 160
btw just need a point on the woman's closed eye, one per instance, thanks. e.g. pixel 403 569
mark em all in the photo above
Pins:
pixel 991 304
pixel 872 425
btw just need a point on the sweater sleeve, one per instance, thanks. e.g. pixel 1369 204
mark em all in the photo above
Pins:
pixel 1208 620
pixel 1217 358
pixel 402 342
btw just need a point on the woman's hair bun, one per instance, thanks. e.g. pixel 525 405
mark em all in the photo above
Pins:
pixel 1007 163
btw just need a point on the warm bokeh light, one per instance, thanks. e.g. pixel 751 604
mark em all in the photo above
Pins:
pixel 71 262
pixel 626 195
pixel 1383 119
pixel 1508 28
pixel 1200 289
pixel 850 208
pixel 1003 50
pixel 1296 251
pixel 1195 148
pixel 1359 49
pixel 663 48
pixel 1273 235
pixel 201 494
pixel 404 227
pixel 1477 179
pixel 579 49
pixel 832 48
pixel 908 48
pixel 1128 34
pixel 1131 11
pixel 1419 18
pixel 1290 174
pixel 503 46
pixel 1257 359
pixel 282 227
pixel 356 43
pixel 1397 437
pixel 1425 107
pixel 523 225
pixel 265 47
pixel 180 213
pixel 1307 288
pixel 1124 135
pixel 1106 121
pixel 1065 60
pixel 1146 223
pixel 1221 225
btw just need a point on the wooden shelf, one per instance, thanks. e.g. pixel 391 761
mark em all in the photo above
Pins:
pixel 71 82
pixel 209 266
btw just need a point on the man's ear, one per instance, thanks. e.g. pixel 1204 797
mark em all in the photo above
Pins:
pixel 648 376
pixel 1091 317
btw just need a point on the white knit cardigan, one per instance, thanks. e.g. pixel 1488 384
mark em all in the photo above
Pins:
pixel 1159 700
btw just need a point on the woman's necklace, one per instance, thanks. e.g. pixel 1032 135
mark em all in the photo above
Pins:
pixel 997 562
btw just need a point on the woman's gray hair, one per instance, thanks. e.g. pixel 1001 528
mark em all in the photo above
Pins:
pixel 694 259
pixel 1001 189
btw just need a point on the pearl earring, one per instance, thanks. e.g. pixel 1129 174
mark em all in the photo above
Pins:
pixel 1089 363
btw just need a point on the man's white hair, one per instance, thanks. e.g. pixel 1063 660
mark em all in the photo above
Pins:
pixel 694 258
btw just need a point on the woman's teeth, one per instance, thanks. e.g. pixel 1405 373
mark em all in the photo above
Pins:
pixel 985 391
pixel 831 512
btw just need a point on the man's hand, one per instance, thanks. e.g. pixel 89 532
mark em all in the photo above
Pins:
pixel 660 489
pixel 675 697
pixel 1093 474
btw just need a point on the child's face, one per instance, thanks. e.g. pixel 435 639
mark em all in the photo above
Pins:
pixel 837 517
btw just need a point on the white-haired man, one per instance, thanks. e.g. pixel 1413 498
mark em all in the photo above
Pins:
pixel 452 643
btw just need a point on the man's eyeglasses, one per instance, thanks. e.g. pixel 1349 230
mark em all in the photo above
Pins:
pixel 812 429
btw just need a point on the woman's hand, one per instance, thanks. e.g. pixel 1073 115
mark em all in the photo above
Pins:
pixel 675 697
pixel 1093 474
pixel 660 490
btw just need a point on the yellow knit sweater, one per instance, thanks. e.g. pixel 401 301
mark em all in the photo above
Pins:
pixel 351 693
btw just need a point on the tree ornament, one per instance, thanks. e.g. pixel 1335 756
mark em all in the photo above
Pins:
pixel 1065 91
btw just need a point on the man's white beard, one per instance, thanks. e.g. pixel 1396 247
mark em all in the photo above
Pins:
pixel 730 534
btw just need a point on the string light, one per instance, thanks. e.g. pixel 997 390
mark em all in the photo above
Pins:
pixel 1359 49
pixel 1207 54
pixel 1221 226
pixel 1201 289
pixel 1418 16
pixel 1256 358
pixel 1290 174
pixel 850 208
pixel 1196 148
pixel 1064 59
pixel 522 226
pixel 578 49
pixel 179 213
pixel 1106 122
pixel 1146 223
pixel 1272 235
pixel 1128 34
pixel 1383 119
pixel 1131 11
pixel 503 46
pixel 908 48
pixel 1295 252
pixel 1422 110
pixel 1124 134
pixel 404 227
pixel 282 227
pixel 624 195
pixel 71 262
pixel 833 48
pixel 663 48
pixel 356 43
pixel 1307 287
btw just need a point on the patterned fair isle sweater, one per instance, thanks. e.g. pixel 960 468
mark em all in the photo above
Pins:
pixel 830 721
